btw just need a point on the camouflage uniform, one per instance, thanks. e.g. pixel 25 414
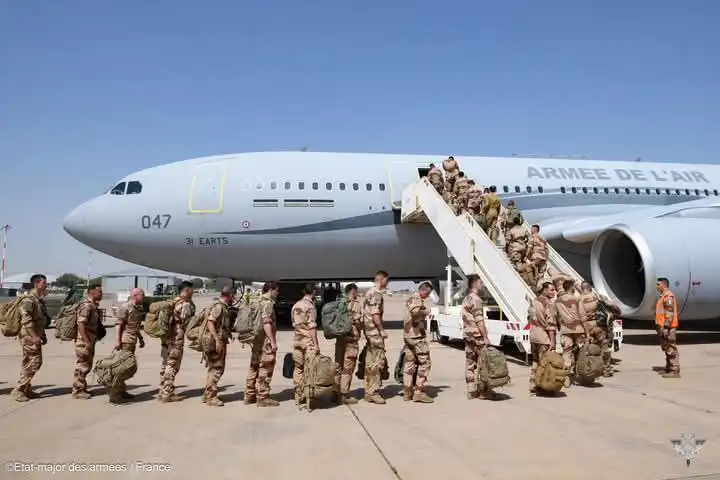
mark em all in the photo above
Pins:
pixel 460 190
pixel 517 241
pixel 88 315
pixel 174 343
pixel 373 304
pixel 542 322
pixel 262 358
pixel 32 320
pixel 304 321
pixel 474 201
pixel 666 323
pixel 598 335
pixel 538 255
pixel 491 210
pixel 417 350
pixel 570 315
pixel 346 352
pixel 435 178
pixel 129 319
pixel 220 317
pixel 452 169
pixel 473 319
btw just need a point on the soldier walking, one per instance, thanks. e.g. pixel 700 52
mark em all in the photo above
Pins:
pixel 218 331
pixel 264 351
pixel 375 334
pixel 417 349
pixel 599 334
pixel 88 321
pixel 127 336
pixel 476 337
pixel 32 337
pixel 570 316
pixel 305 341
pixel 543 328
pixel 347 348
pixel 182 311
pixel 666 324
pixel 435 178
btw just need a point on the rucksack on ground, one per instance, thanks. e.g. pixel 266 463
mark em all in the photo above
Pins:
pixel 492 370
pixel 10 321
pixel 335 319
pixel 319 378
pixel 288 366
pixel 115 368
pixel 551 373
pixel 247 324
pixel 66 328
pixel 360 372
pixel 157 320
pixel 589 364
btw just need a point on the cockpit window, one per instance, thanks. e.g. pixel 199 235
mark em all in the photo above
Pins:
pixel 118 189
pixel 134 187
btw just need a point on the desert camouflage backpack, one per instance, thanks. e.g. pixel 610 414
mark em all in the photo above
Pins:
pixel 157 321
pixel 196 327
pixel 66 328
pixel 589 363
pixel 551 373
pixel 247 324
pixel 335 319
pixel 492 370
pixel 10 321
pixel 319 379
pixel 115 368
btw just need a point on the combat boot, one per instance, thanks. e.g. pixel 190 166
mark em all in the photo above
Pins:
pixel 174 398
pixel 20 396
pixel 671 375
pixel 375 398
pixel 407 394
pixel 81 395
pixel 347 399
pixel 249 399
pixel 421 397
pixel 472 395
pixel 117 400
pixel 30 393
pixel 214 402
pixel 267 402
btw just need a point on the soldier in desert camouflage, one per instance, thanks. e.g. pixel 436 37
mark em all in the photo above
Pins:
pixel 417 349
pixel 183 310
pixel 127 336
pixel 263 354
pixel 88 321
pixel 347 348
pixel 32 337
pixel 375 334
pixel 218 331
pixel 305 341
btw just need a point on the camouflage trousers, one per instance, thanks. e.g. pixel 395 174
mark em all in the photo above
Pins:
pixel 84 356
pixel 172 359
pixel 416 361
pixel 537 350
pixel 491 219
pixel 599 336
pixel 472 354
pixel 668 344
pixel 215 362
pixel 262 366
pixel 374 364
pixel 571 342
pixel 31 362
pixel 539 267
pixel 346 355
pixel 121 388
pixel 438 186
pixel 301 353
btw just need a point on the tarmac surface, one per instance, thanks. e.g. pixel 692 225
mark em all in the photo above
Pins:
pixel 620 429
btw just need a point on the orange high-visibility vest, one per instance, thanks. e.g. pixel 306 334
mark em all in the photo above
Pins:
pixel 660 310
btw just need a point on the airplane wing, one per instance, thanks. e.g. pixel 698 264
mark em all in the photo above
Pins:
pixel 581 230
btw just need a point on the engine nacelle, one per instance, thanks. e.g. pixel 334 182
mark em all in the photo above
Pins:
pixel 626 261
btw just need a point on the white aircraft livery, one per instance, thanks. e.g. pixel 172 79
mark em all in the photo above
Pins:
pixel 335 216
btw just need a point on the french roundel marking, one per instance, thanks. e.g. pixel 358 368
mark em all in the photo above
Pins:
pixel 245 224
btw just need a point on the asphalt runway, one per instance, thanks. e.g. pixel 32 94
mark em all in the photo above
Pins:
pixel 621 429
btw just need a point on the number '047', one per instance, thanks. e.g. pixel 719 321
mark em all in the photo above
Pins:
pixel 157 221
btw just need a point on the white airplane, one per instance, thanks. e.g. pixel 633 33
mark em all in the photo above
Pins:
pixel 294 216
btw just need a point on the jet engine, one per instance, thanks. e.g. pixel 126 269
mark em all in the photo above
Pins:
pixel 627 259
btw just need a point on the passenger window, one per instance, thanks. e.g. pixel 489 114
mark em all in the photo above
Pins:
pixel 342 186
pixel 647 190
pixel 715 192
pixel 517 189
pixel 677 191
pixel 382 187
pixel 118 189
pixel 697 192
pixel 356 186
pixel 707 194
pixel 368 186
pixel 506 189
pixel 617 191
pixel 328 186
pixel 134 187
pixel 668 192
pixel 606 190
pixel 657 191
pixel 273 185
pixel 687 191
pixel 584 189
pixel 595 190
pixel 529 189
pixel 301 185
pixel 540 189
pixel 315 186
pixel 258 186
pixel 627 191
pixel 562 190
pixel 637 191
pixel 574 190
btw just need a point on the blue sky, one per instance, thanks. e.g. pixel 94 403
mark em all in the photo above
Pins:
pixel 91 91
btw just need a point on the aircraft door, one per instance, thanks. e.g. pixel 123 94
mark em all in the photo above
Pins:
pixel 207 188
pixel 400 175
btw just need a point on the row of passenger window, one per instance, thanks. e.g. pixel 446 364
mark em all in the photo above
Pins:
pixel 316 186
pixel 619 190
pixel 133 187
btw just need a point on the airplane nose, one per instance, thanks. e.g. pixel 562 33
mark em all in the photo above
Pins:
pixel 72 223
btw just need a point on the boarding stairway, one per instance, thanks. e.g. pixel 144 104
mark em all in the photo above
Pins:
pixel 471 248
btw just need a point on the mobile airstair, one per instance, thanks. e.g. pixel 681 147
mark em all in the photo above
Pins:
pixel 475 253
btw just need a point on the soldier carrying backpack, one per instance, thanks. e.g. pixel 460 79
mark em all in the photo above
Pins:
pixel 548 372
pixel 214 340
pixel 24 317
